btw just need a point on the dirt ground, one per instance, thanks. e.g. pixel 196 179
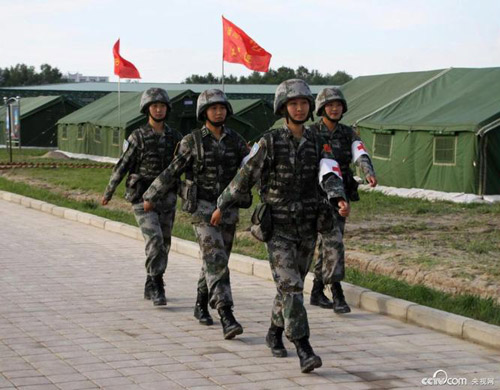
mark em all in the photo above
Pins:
pixel 447 253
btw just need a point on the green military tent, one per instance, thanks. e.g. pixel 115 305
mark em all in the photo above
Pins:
pixel 100 127
pixel 443 134
pixel 38 119
pixel 258 112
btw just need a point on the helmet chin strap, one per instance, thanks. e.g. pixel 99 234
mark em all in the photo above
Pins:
pixel 216 124
pixel 288 118
pixel 331 119
pixel 158 120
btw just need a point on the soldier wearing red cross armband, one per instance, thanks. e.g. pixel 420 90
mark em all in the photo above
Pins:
pixel 347 148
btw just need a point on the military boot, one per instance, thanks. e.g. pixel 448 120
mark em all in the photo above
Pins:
pixel 308 359
pixel 158 291
pixel 340 306
pixel 274 340
pixel 201 309
pixel 148 288
pixel 318 297
pixel 230 327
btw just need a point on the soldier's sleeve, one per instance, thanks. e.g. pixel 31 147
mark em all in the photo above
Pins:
pixel 330 176
pixel 360 156
pixel 365 163
pixel 124 165
pixel 246 177
pixel 168 178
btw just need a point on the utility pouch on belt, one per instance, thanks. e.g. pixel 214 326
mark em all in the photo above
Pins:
pixel 324 223
pixel 188 193
pixel 262 224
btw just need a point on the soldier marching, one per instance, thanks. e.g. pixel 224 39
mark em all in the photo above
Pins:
pixel 147 152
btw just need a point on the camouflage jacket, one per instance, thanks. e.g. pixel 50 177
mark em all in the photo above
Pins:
pixel 257 167
pixel 132 159
pixel 213 173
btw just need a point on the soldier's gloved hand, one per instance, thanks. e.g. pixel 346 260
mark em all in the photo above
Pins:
pixel 148 206
pixel 104 201
pixel 344 208
pixel 372 180
pixel 216 217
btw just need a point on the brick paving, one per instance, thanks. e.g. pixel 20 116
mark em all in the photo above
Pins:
pixel 72 317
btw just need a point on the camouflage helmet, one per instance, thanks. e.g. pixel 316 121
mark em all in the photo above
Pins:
pixel 154 95
pixel 291 89
pixel 327 95
pixel 210 97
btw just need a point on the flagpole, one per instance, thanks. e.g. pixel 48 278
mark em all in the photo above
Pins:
pixel 222 79
pixel 222 75
pixel 119 106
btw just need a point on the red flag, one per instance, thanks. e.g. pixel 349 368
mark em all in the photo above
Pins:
pixel 239 48
pixel 123 68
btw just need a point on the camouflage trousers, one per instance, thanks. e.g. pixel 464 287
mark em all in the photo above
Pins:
pixel 156 228
pixel 215 243
pixel 290 260
pixel 330 265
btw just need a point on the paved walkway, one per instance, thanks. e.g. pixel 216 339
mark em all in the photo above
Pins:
pixel 72 317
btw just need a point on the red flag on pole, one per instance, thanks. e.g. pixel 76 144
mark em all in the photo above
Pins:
pixel 123 68
pixel 239 48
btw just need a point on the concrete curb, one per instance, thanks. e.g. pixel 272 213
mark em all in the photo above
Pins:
pixel 451 324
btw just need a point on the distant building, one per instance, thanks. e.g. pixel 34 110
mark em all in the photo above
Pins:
pixel 79 78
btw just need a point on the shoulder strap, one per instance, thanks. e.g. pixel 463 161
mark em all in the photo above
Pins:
pixel 270 147
pixel 140 147
pixel 198 148
pixel 269 174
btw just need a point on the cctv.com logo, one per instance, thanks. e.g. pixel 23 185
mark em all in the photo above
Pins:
pixel 440 378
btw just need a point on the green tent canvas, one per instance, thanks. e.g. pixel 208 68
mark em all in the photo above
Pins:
pixel 100 128
pixel 38 120
pixel 443 135
pixel 258 112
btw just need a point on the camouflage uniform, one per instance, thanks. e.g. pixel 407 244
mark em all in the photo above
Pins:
pixel 222 159
pixel 347 148
pixel 146 153
pixel 290 171
pixel 145 156
pixel 329 266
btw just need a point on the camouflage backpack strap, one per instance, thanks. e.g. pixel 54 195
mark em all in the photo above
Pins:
pixel 269 174
pixel 199 152
pixel 140 146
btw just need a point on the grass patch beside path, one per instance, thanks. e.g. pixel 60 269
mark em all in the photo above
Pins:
pixel 470 306
pixel 59 200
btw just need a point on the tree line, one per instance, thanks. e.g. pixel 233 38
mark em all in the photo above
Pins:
pixel 22 74
pixel 275 76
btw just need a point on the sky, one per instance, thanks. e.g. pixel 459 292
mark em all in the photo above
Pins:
pixel 170 40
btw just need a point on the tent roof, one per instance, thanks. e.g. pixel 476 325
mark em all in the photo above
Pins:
pixel 461 99
pixel 32 105
pixel 104 112
pixel 241 106
pixel 268 89
pixel 366 94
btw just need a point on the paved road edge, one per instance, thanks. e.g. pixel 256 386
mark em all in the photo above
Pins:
pixel 451 324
